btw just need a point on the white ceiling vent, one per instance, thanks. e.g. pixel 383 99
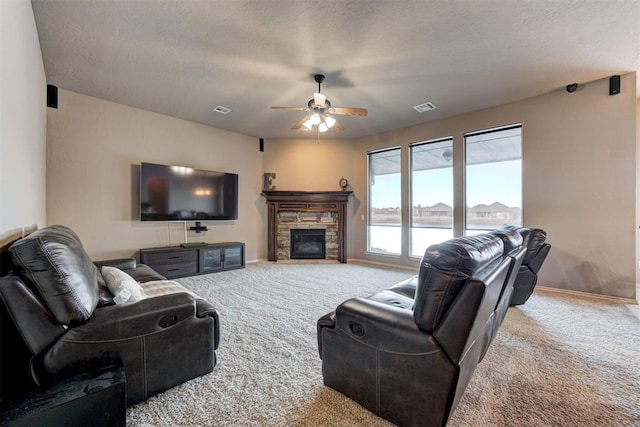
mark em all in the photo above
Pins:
pixel 424 107
pixel 222 110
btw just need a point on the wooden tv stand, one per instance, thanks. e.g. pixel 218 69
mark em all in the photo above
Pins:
pixel 175 261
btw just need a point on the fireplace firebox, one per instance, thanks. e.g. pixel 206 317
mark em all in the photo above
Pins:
pixel 308 243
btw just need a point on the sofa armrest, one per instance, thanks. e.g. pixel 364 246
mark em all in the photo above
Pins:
pixel 121 263
pixel 383 326
pixel 126 321
pixel 536 262
pixel 160 342
pixel 35 324
pixel 326 321
pixel 204 309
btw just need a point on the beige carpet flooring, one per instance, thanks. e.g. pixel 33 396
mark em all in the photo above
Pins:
pixel 557 361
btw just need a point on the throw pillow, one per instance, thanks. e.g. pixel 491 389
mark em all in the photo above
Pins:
pixel 124 287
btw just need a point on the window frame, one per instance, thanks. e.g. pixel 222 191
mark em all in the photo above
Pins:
pixel 370 207
pixel 411 156
pixel 465 206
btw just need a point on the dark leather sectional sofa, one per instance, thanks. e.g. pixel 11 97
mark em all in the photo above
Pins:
pixel 407 353
pixel 57 322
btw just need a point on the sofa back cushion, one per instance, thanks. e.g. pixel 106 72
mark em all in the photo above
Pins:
pixel 445 269
pixel 53 263
pixel 533 239
pixel 511 238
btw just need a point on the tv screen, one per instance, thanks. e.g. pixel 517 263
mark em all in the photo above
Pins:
pixel 177 193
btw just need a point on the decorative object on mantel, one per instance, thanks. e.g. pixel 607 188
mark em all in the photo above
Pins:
pixel 301 204
pixel 343 183
pixel 267 181
pixel 322 111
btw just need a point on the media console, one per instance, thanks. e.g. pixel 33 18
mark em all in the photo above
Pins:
pixel 176 261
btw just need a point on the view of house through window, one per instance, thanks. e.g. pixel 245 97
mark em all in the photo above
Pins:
pixel 431 194
pixel 493 175
pixel 385 215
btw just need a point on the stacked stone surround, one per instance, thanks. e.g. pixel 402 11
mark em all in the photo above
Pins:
pixel 309 220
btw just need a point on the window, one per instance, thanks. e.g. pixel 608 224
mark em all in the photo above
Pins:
pixel 384 231
pixel 493 175
pixel 431 194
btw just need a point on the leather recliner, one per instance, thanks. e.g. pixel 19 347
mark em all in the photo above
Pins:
pixel 407 353
pixel 55 324
pixel 537 251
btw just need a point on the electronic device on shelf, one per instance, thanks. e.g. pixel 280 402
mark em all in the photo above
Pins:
pixel 178 193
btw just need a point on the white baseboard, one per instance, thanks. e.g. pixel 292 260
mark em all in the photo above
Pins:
pixel 617 300
pixel 383 264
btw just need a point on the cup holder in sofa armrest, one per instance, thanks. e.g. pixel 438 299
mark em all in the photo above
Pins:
pixel 356 329
pixel 168 320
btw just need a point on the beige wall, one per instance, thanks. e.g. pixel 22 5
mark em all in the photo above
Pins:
pixel 308 164
pixel 579 181
pixel 94 151
pixel 23 120
pixel 579 161
pixel 311 165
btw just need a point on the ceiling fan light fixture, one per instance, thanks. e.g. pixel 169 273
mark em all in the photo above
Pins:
pixel 319 99
pixel 321 111
pixel 307 125
pixel 329 121
pixel 315 119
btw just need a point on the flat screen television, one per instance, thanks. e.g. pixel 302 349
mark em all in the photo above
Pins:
pixel 177 193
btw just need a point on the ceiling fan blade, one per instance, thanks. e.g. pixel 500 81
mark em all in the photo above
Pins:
pixel 299 124
pixel 290 108
pixel 319 99
pixel 349 111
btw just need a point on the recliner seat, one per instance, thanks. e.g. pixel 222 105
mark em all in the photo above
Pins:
pixel 407 353
pixel 54 323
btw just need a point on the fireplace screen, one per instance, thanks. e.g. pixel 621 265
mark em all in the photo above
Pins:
pixel 308 243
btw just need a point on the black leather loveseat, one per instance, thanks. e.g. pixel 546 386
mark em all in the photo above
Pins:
pixel 407 353
pixel 58 321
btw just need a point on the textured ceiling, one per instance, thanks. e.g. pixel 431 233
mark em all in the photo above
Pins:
pixel 183 58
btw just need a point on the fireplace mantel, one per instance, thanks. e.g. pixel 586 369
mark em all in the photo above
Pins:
pixel 306 201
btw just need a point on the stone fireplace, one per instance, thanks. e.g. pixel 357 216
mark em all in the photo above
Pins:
pixel 305 215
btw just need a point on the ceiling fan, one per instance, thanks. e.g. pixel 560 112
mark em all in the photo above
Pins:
pixel 321 111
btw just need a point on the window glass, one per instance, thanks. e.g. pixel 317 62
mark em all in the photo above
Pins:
pixel 384 231
pixel 493 178
pixel 431 194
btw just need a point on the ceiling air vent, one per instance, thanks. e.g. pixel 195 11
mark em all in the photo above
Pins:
pixel 424 107
pixel 222 110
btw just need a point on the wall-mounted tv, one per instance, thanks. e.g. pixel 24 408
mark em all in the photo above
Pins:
pixel 177 193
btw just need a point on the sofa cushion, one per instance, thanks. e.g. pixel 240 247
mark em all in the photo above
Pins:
pixel 444 270
pixel 123 287
pixel 53 263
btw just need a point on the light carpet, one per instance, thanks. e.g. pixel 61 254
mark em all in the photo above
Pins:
pixel 556 361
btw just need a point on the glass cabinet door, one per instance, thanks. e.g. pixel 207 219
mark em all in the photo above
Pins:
pixel 233 257
pixel 212 260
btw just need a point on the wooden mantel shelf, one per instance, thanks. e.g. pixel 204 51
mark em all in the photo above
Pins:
pixel 307 196
pixel 306 201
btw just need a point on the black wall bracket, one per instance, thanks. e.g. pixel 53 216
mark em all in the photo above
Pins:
pixel 199 228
